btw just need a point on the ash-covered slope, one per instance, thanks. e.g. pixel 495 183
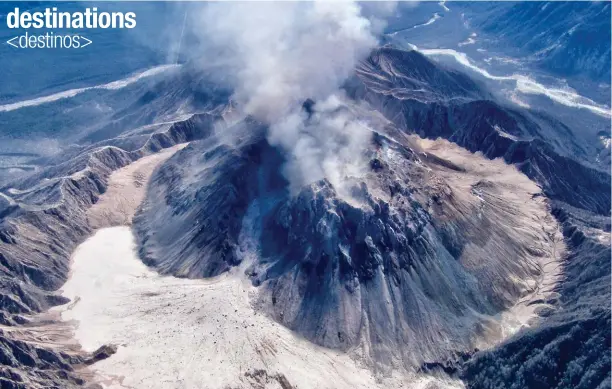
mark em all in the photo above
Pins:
pixel 570 348
pixel 410 265
pixel 409 75
pixel 404 263
pixel 542 147
pixel 191 219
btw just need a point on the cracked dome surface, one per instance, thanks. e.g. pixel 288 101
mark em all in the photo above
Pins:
pixel 415 260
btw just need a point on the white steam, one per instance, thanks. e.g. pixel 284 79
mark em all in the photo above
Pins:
pixel 326 143
pixel 276 56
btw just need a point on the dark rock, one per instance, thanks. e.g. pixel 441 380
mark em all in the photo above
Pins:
pixel 101 353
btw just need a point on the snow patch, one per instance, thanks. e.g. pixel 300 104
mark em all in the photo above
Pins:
pixel 526 85
pixel 114 85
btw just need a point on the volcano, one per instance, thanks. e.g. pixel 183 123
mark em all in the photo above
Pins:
pixel 422 223
pixel 407 253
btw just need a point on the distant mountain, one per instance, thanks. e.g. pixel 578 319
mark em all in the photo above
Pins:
pixel 566 38
pixel 420 96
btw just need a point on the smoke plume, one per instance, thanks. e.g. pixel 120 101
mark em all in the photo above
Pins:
pixel 276 56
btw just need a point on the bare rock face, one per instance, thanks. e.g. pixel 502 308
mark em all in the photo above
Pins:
pixel 30 365
pixel 190 221
pixel 408 270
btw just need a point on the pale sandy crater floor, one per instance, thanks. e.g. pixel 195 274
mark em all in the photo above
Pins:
pixel 182 333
